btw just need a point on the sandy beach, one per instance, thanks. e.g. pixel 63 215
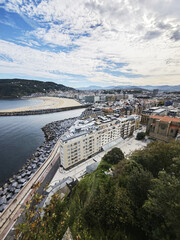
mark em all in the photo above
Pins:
pixel 48 103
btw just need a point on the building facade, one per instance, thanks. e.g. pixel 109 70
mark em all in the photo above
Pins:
pixel 163 128
pixel 150 112
pixel 87 137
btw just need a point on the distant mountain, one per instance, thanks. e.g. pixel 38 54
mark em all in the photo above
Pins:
pixel 163 88
pixel 90 88
pixel 15 88
pixel 129 87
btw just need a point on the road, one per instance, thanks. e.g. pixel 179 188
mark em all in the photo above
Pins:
pixel 15 208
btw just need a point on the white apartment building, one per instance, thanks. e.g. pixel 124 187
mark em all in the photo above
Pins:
pixel 87 137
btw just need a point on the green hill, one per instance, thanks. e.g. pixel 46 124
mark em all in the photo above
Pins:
pixel 15 88
pixel 141 200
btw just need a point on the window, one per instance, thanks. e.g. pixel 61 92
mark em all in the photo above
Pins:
pixel 163 126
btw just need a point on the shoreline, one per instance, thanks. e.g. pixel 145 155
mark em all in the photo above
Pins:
pixel 43 111
pixel 49 105
pixel 52 132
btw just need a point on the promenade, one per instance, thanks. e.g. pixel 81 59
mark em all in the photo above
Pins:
pixel 9 216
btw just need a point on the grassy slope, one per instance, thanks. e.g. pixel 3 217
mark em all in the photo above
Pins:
pixel 141 201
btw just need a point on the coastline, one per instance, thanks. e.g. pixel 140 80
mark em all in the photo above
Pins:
pixel 49 104
pixel 52 132
pixel 44 111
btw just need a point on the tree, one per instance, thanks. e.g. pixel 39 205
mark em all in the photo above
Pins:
pixel 114 156
pixel 47 223
pixel 163 204
pixel 140 135
pixel 157 156
pixel 138 184
pixel 109 209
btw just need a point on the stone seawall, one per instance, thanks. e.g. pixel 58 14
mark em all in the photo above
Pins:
pixel 42 111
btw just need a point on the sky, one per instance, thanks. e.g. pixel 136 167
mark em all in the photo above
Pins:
pixel 81 43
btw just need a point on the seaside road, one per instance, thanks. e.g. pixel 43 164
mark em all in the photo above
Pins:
pixel 9 216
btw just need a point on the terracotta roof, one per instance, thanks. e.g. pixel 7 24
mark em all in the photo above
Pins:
pixel 175 127
pixel 166 118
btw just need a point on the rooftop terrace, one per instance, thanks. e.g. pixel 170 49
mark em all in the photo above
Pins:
pixel 83 127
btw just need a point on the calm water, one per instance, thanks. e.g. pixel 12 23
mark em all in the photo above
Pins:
pixel 21 135
pixel 9 104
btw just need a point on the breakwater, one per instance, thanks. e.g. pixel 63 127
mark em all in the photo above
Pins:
pixel 42 111
pixel 52 131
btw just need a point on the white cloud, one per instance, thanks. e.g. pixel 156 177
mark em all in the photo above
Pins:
pixel 137 32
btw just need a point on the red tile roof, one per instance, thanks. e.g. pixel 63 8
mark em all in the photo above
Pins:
pixel 166 118
pixel 175 127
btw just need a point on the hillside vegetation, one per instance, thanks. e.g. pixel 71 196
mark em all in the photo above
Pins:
pixel 140 201
pixel 15 88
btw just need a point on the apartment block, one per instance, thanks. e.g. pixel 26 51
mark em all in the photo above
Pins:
pixel 87 137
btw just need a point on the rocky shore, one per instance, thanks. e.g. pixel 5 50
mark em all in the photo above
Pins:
pixel 52 131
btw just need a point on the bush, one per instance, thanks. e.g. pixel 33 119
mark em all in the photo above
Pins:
pixel 114 156
pixel 140 135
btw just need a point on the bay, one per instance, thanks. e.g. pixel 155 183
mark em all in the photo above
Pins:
pixel 21 135
pixel 10 104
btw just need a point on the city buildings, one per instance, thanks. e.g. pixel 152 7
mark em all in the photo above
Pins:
pixel 159 111
pixel 163 128
pixel 152 111
pixel 87 137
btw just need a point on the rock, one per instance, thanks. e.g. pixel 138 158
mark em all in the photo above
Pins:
pixel 36 154
pixel 28 173
pixel 27 178
pixel 29 167
pixel 2 207
pixel 22 180
pixel 19 186
pixel 9 196
pixel 34 166
pixel 16 191
pixel 11 189
pixel 5 191
pixel 14 184
pixel 23 175
pixel 3 200
pixel 11 180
